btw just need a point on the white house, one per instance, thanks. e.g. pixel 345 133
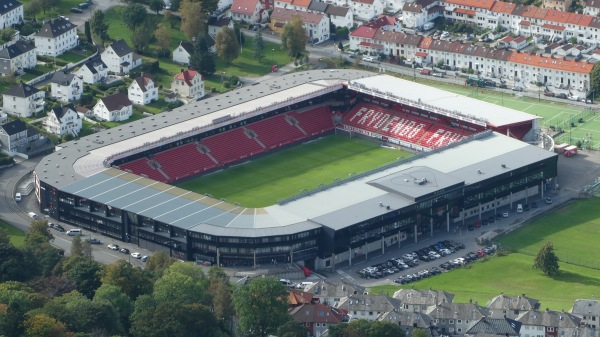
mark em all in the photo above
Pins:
pixel 23 100
pixel 367 9
pixel 340 16
pixel 119 58
pixel 215 24
pixel 14 59
pixel 11 13
pixel 92 71
pixel 66 87
pixel 16 137
pixel 316 24
pixel 188 83
pixel 246 11
pixel 143 90
pixel 63 120
pixel 56 37
pixel 182 53
pixel 591 7
pixel 113 108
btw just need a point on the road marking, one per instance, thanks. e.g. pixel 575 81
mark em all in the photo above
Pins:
pixel 345 275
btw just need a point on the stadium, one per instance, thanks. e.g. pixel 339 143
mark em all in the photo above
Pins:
pixel 469 157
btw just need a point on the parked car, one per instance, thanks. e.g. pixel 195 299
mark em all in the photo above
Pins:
pixel 144 258
pixel 425 72
pixel 549 94
pixel 561 95
pixel 136 255
pixel 518 89
pixel 407 256
pixel 440 75
pixel 503 86
pixel 76 10
pixel 94 241
pixel 59 228
pixel 113 246
pixel 369 59
pixel 124 250
pixel 50 225
pixel 548 201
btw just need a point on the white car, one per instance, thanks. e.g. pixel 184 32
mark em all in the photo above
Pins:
pixel 505 215
pixel 458 262
pixel 32 215
pixel 407 256
pixel 434 255
pixel 113 246
pixel 368 59
pixel 136 255
pixel 445 251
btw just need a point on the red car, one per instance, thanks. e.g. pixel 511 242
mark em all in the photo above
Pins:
pixel 481 253
pixel 425 72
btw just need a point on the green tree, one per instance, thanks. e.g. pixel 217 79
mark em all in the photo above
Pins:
pixel 163 38
pixel 133 281
pixel 142 37
pixel 595 79
pixel 134 16
pixel 293 37
pixel 192 19
pixel 292 328
pixel 209 6
pixel 419 333
pixel 175 4
pixel 546 260
pixel 159 262
pixel 385 329
pixel 11 263
pixel 98 26
pixel 220 291
pixel 203 59
pixel 76 247
pixel 227 45
pixel 259 46
pixel 32 8
pixel 84 273
pixel 4 236
pixel 88 31
pixel 261 307
pixel 182 283
pixel 122 304
pixel 341 46
pixel 44 326
pixel 156 5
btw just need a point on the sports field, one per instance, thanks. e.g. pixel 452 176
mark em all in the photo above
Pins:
pixel 263 181
pixel 574 230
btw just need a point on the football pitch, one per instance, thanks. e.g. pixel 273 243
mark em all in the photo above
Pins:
pixel 573 229
pixel 263 181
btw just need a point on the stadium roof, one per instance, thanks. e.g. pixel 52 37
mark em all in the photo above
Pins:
pixel 493 114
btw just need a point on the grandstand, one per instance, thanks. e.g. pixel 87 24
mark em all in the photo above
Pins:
pixel 115 182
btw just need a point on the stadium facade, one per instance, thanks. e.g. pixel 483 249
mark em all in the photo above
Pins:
pixel 471 159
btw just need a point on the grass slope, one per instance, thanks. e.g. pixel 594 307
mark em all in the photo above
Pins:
pixel 17 238
pixel 513 275
pixel 283 174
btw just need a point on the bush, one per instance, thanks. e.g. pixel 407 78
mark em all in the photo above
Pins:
pixel 504 252
pixel 6 160
pixel 226 84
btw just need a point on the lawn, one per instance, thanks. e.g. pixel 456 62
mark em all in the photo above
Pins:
pixel 265 180
pixel 17 238
pixel 513 275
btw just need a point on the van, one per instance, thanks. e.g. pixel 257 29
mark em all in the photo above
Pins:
pixel 18 197
pixel 303 285
pixel 287 283
pixel 74 231
pixel 519 208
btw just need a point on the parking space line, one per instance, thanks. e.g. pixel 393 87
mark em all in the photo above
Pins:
pixel 346 275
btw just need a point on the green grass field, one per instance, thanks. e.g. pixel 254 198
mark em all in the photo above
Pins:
pixel 573 229
pixel 266 180
pixel 17 238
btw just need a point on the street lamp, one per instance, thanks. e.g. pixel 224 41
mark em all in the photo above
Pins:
pixel 272 52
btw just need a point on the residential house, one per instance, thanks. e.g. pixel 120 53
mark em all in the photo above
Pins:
pixel 516 43
pixel 588 310
pixel 369 307
pixel 84 112
pixel 561 5
pixel 119 58
pixel 14 59
pixel 223 5
pixel 495 326
pixel 316 24
pixel 66 87
pixel 188 83
pixel 416 300
pixel 183 52
pixel 143 90
pixel 317 6
pixel 298 5
pixel 410 320
pixel 92 71
pixel 17 137
pixel 63 120
pixel 248 11
pixel 535 323
pixel 23 100
pixel 503 306
pixel 297 298
pixel 317 317
pixel 11 13
pixel 114 108
pixel 591 7
pixel 366 9
pixel 215 24
pixel 3 118
pixel 385 23
pixel 416 14
pixel 340 16
pixel 56 37
pixel 333 293
pixel 362 38
pixel 455 318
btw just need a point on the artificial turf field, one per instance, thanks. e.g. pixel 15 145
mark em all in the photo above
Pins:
pixel 574 229
pixel 263 181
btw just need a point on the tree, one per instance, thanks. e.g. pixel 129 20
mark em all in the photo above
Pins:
pixel 292 328
pixel 209 6
pixel 142 37
pixel 76 247
pixel 32 8
pixel 156 5
pixel 11 263
pixel 44 326
pixel 88 31
pixel 163 38
pixel 182 285
pixel 227 45
pixel 261 307
pixel 546 260
pixel 259 46
pixel 192 19
pixel 133 281
pixel 293 37
pixel 203 59
pixel 84 273
pixel 122 304
pixel 385 329
pixel 175 4
pixel 595 79
pixel 159 262
pixel 134 15
pixel 419 333
pixel 220 291
pixel 341 46
pixel 4 236
pixel 98 26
